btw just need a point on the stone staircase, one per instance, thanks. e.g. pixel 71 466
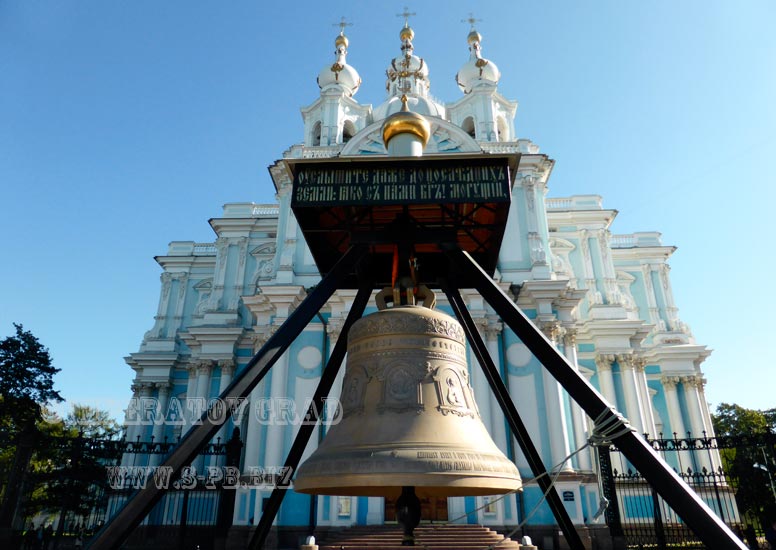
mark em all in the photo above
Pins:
pixel 434 537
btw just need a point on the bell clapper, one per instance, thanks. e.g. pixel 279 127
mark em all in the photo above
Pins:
pixel 408 514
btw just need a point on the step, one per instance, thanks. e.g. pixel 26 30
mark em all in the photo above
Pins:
pixel 436 537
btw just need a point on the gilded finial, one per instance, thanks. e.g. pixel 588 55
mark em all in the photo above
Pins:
pixel 406 32
pixel 406 15
pixel 474 36
pixel 404 107
pixel 471 20
pixel 341 38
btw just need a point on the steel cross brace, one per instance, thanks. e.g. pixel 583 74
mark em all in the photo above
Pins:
pixel 129 517
pixel 513 417
pixel 685 502
pixel 311 419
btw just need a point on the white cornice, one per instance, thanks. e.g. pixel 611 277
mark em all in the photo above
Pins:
pixel 585 219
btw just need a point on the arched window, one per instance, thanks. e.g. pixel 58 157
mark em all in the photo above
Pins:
pixel 468 126
pixel 348 131
pixel 317 134
pixel 502 129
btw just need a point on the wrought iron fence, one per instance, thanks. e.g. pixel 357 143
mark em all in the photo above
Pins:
pixel 732 475
pixel 97 477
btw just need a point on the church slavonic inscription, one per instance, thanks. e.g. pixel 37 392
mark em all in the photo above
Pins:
pixel 378 183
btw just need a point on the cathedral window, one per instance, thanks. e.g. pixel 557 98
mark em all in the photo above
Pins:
pixel 502 129
pixel 316 141
pixel 468 126
pixel 348 131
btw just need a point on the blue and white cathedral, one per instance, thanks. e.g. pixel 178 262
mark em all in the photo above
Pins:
pixel 604 299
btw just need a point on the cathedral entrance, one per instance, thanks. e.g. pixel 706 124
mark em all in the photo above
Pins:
pixel 432 509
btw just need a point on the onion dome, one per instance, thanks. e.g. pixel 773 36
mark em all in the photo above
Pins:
pixel 406 122
pixel 477 69
pixel 340 73
pixel 407 73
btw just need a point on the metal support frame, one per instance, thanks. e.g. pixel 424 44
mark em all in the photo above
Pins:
pixel 311 420
pixel 122 524
pixel 519 430
pixel 710 529
pixel 698 516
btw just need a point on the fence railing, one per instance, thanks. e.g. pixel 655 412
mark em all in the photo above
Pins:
pixel 723 471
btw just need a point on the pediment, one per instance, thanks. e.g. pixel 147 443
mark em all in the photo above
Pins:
pixel 205 284
pixel 446 137
pixel 561 245
pixel 264 250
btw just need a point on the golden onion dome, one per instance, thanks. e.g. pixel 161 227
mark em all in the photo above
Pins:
pixel 406 122
pixel 406 33
pixel 341 40
pixel 473 37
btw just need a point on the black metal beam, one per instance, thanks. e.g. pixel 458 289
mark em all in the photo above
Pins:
pixel 519 430
pixel 311 420
pixel 129 517
pixel 685 502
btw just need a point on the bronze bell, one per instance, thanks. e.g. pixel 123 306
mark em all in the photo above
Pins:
pixel 408 416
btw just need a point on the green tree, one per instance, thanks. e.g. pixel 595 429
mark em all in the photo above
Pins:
pixel 26 380
pixel 26 385
pixel 749 456
pixel 69 472
pixel 92 423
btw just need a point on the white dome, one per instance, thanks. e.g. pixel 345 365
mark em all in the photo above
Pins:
pixel 477 69
pixel 340 73
pixel 421 105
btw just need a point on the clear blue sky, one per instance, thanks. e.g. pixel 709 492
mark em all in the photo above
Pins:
pixel 125 125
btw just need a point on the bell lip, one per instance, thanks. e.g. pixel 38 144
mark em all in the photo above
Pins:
pixel 390 485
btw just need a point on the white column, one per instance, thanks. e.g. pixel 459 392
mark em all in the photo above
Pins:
pixel 697 426
pixel 252 436
pixel 603 365
pixel 606 384
pixel 716 460
pixel 204 368
pixel 162 396
pixel 499 434
pixel 633 406
pixel 335 332
pixel 274 454
pixel 253 431
pixel 554 405
pixel 131 421
pixel 191 393
pixel 672 403
pixel 639 365
pixel 145 396
pixel 222 436
pixel 479 383
pixel 578 418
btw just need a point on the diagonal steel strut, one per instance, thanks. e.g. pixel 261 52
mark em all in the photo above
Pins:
pixel 129 517
pixel 685 502
pixel 513 416
pixel 333 365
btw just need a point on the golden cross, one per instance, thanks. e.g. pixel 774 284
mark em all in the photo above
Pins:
pixel 342 24
pixel 406 15
pixel 471 20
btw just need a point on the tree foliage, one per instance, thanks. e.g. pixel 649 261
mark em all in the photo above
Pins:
pixel 751 460
pixel 26 380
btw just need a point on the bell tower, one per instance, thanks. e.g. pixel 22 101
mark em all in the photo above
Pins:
pixel 335 117
pixel 483 112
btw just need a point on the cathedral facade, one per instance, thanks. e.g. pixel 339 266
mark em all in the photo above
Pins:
pixel 604 299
